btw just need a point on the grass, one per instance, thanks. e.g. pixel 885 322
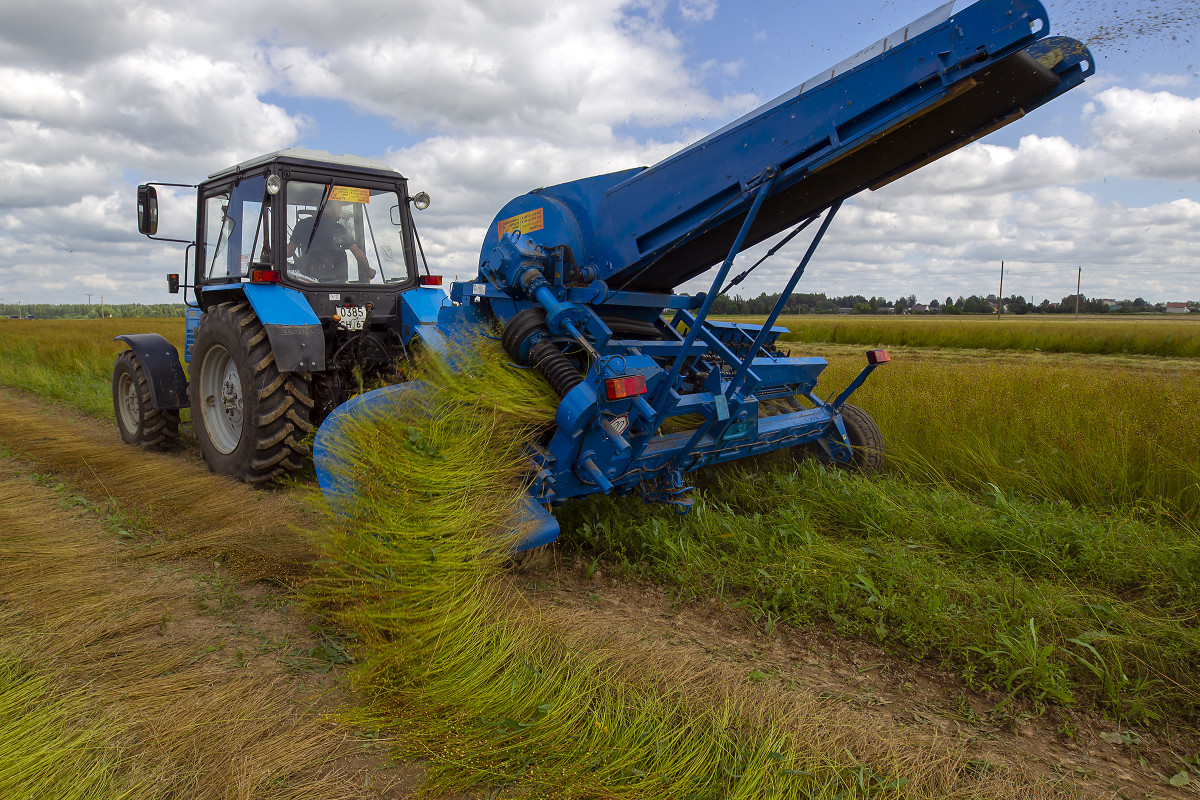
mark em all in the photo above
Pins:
pixel 1039 599
pixel 1107 434
pixel 71 361
pixel 1139 335
pixel 1033 536
pixel 1113 433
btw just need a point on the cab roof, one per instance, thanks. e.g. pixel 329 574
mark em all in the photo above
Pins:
pixel 309 158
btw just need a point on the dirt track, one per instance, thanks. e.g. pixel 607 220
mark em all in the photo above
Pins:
pixel 183 512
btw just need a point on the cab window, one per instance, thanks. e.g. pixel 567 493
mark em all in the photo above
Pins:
pixel 237 230
pixel 339 233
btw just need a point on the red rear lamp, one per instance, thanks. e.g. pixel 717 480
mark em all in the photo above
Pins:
pixel 265 276
pixel 625 386
pixel 875 357
pixel 431 280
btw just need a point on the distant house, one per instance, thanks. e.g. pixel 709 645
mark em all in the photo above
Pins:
pixel 845 310
pixel 1177 308
pixel 920 308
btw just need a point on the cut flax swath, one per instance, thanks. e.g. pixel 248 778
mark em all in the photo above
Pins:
pixel 188 510
pixel 494 692
pixel 48 745
pixel 178 725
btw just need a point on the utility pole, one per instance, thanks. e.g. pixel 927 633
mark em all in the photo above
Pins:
pixel 89 297
pixel 101 306
pixel 1000 302
pixel 1078 279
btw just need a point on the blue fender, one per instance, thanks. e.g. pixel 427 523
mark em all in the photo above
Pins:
pixel 160 362
pixel 297 338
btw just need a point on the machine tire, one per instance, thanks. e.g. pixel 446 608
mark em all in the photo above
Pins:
pixel 249 418
pixel 522 324
pixel 866 439
pixel 138 421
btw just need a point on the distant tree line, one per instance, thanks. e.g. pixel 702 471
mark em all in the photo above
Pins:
pixel 799 303
pixel 84 311
pixel 975 304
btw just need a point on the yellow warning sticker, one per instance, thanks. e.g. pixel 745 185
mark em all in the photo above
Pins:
pixel 528 222
pixel 350 194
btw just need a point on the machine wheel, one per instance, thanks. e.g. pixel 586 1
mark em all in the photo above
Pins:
pixel 250 419
pixel 866 439
pixel 519 328
pixel 138 420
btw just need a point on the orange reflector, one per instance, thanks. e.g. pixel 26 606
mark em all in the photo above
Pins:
pixel 625 386
pixel 264 276
pixel 878 357
pixel 431 280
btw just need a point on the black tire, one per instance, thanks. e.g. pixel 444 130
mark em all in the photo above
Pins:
pixel 138 421
pixel 522 324
pixel 249 418
pixel 866 439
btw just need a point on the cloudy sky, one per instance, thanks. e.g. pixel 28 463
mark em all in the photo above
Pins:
pixel 477 101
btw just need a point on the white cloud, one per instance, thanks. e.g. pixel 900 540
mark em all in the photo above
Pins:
pixel 698 10
pixel 1144 134
pixel 500 97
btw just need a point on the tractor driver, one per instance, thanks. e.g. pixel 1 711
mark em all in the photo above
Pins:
pixel 320 254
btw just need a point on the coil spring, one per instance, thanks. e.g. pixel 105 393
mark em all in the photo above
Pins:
pixel 557 368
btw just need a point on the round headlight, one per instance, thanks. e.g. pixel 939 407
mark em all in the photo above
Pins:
pixel 273 184
pixel 420 201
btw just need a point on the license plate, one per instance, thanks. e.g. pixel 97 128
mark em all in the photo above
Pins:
pixel 353 317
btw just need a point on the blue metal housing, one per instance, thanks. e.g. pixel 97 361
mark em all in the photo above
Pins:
pixel 581 275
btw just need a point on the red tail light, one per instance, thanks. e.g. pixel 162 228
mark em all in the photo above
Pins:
pixel 431 280
pixel 625 386
pixel 878 357
pixel 265 276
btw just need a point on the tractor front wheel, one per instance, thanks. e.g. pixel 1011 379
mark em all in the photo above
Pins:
pixel 138 421
pixel 250 419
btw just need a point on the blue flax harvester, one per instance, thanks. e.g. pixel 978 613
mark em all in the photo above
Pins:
pixel 305 275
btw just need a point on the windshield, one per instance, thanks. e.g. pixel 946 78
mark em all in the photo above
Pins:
pixel 344 234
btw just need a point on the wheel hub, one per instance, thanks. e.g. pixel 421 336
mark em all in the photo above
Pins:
pixel 221 399
pixel 130 405
pixel 231 397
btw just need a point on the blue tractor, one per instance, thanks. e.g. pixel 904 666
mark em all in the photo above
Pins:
pixel 306 284
pixel 580 278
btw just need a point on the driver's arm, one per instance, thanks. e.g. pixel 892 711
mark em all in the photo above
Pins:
pixel 361 258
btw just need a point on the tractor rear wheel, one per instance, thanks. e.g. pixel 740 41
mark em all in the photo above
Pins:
pixel 250 419
pixel 138 421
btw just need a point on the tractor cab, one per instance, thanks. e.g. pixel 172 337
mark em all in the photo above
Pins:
pixel 328 227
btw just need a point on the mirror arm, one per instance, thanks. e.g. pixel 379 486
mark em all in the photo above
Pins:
pixel 163 238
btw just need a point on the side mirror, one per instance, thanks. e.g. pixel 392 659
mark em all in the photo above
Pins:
pixel 147 210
